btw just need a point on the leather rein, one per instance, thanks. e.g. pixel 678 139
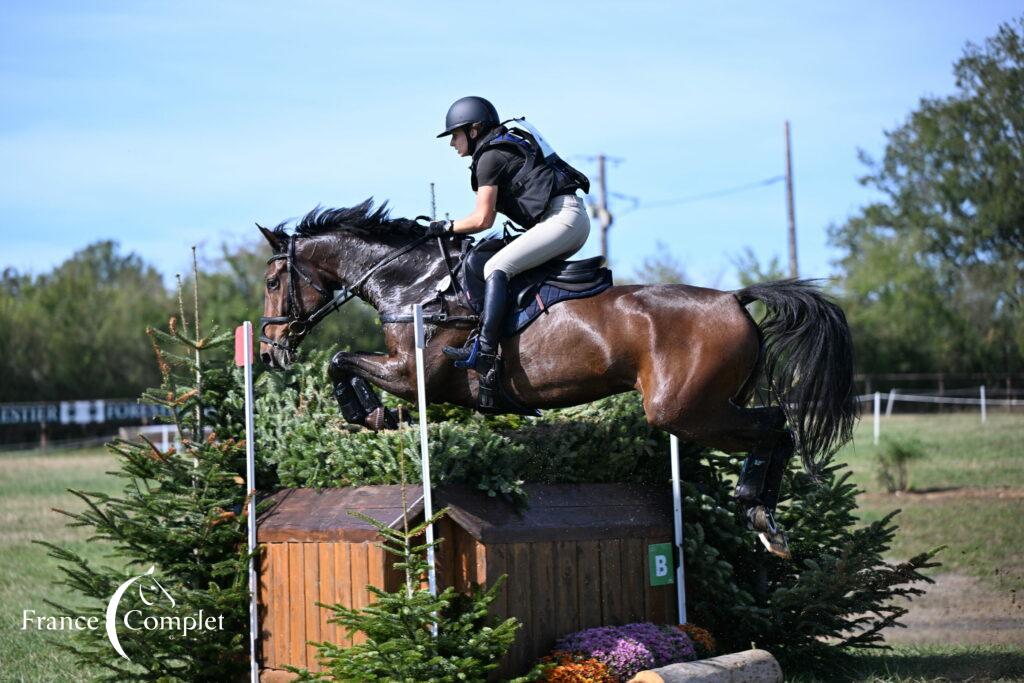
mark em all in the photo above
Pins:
pixel 299 324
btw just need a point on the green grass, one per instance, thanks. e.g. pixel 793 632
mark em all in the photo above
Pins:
pixel 913 664
pixel 29 486
pixel 969 463
pixel 984 537
pixel 959 450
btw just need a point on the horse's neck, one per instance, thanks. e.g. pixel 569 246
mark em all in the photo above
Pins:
pixel 410 279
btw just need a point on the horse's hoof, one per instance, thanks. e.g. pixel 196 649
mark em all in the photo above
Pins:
pixel 776 543
pixel 773 538
pixel 380 418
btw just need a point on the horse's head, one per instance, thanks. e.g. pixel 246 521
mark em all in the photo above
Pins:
pixel 296 297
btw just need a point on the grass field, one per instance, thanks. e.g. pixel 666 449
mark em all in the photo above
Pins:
pixel 969 496
pixel 29 486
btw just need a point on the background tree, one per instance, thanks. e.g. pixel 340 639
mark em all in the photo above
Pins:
pixel 931 271
pixel 79 331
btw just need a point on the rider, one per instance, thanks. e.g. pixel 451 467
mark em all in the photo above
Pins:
pixel 511 174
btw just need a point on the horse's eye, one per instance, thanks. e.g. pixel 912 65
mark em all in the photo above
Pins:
pixel 272 283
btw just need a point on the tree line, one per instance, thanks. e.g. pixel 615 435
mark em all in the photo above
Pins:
pixel 929 273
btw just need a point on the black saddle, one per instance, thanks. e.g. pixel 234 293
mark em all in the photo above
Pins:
pixel 535 290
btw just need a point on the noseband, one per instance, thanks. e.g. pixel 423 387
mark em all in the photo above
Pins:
pixel 299 324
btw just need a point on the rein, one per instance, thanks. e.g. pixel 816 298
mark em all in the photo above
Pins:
pixel 299 324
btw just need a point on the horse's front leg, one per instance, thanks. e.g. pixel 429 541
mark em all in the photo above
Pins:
pixel 358 401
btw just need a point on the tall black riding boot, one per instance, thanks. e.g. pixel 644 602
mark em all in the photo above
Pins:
pixel 491 319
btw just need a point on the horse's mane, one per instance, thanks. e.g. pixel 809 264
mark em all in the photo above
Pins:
pixel 362 218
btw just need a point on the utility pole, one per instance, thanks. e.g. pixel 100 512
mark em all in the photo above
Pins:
pixel 793 271
pixel 603 214
pixel 433 203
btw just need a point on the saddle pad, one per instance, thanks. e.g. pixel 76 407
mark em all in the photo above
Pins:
pixel 519 318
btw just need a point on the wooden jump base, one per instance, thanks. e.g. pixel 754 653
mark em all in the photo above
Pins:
pixel 577 558
pixel 752 666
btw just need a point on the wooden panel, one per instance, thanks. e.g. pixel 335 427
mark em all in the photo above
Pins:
pixel 328 631
pixel 262 593
pixel 588 562
pixel 360 577
pixel 444 553
pixel 284 604
pixel 311 586
pixel 611 582
pixel 273 601
pixel 375 562
pixel 520 593
pixel 306 515
pixel 343 585
pixel 566 597
pixel 634 559
pixel 542 630
pixel 296 607
pixel 497 565
pixel 479 564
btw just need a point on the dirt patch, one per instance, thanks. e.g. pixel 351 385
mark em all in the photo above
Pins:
pixel 954 493
pixel 961 609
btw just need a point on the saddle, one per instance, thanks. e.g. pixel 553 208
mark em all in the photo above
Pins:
pixel 534 291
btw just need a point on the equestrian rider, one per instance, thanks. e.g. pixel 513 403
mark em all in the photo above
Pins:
pixel 511 175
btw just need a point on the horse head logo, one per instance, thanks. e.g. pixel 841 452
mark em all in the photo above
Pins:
pixel 154 590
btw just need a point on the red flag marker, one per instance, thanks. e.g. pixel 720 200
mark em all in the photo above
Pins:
pixel 240 345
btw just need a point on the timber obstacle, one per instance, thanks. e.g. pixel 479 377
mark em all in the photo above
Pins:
pixel 578 558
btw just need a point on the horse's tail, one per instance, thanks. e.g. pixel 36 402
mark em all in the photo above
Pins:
pixel 808 361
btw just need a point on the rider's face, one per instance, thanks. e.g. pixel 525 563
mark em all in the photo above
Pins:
pixel 460 142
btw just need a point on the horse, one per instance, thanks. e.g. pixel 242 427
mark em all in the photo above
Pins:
pixel 695 354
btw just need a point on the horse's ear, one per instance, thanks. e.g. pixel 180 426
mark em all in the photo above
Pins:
pixel 274 240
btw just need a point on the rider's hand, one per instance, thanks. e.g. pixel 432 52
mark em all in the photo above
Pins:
pixel 439 228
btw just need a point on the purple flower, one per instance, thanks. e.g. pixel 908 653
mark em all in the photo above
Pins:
pixel 629 649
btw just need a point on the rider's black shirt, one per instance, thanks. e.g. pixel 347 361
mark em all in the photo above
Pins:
pixel 497 167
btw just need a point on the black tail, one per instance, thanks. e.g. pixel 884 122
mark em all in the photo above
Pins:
pixel 808 355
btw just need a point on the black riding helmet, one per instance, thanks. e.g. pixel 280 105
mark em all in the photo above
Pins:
pixel 468 110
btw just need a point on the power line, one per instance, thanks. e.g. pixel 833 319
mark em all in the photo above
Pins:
pixel 637 204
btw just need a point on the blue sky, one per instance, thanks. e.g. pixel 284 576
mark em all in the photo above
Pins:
pixel 163 125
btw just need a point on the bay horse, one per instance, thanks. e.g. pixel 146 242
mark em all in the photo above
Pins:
pixel 695 354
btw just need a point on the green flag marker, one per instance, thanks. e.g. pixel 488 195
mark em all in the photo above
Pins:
pixel 659 559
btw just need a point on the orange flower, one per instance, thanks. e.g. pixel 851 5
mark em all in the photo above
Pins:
pixel 701 637
pixel 574 668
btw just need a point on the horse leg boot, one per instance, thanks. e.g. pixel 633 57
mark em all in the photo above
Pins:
pixel 377 416
pixel 758 488
pixel 351 407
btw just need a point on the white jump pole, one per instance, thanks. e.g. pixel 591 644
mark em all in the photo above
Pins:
pixel 984 415
pixel 243 357
pixel 677 513
pixel 878 413
pixel 421 395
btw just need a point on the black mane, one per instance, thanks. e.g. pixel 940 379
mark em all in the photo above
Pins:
pixel 362 218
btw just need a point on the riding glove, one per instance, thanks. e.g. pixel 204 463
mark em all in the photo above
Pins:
pixel 439 228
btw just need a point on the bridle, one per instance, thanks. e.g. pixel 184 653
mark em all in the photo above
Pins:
pixel 299 324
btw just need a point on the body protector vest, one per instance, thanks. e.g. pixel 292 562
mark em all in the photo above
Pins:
pixel 542 176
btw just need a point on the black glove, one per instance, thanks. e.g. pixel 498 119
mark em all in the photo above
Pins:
pixel 439 228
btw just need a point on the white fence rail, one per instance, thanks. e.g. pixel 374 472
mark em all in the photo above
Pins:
pixel 982 401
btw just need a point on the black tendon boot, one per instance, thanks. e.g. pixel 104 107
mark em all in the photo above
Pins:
pixel 377 416
pixel 351 407
pixel 759 492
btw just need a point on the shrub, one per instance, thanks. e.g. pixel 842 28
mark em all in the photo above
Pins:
pixel 893 461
